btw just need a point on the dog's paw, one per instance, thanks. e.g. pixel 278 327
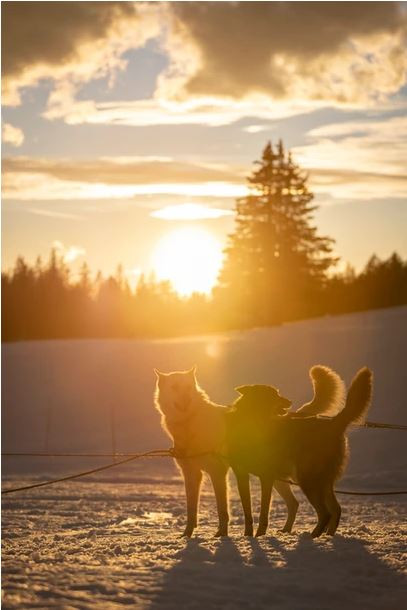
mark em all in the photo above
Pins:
pixel 248 531
pixel 286 530
pixel 305 536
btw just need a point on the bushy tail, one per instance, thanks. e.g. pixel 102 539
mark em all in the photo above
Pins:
pixel 329 393
pixel 357 401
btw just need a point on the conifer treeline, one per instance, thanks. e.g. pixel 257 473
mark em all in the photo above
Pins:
pixel 41 302
pixel 277 268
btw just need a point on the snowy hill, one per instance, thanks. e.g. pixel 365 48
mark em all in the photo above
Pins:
pixel 77 387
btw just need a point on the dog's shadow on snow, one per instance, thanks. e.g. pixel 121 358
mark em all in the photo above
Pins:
pixel 266 573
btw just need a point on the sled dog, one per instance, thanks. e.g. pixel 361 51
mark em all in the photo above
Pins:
pixel 263 439
pixel 197 427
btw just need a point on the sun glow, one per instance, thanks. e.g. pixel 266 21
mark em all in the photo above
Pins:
pixel 190 258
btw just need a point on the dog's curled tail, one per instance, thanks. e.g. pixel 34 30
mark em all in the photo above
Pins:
pixel 329 393
pixel 357 400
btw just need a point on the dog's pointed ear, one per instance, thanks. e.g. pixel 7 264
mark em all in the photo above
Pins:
pixel 243 389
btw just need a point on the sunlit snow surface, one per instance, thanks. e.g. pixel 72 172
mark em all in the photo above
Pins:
pixel 100 545
pixel 116 542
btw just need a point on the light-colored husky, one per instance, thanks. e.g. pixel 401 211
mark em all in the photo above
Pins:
pixel 198 429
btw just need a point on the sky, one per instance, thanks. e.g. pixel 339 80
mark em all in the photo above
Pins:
pixel 128 128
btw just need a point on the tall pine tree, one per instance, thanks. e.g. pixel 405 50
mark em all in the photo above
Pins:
pixel 276 263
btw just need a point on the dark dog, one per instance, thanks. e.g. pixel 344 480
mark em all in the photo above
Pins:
pixel 265 441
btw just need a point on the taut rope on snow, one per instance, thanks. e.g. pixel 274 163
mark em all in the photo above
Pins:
pixel 154 453
pixel 129 457
pixel 135 456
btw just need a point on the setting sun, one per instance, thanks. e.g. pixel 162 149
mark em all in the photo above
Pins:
pixel 190 258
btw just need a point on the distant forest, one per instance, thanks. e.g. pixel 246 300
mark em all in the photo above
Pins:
pixel 277 268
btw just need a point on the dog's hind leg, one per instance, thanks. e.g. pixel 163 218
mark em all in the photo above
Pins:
pixel 316 496
pixel 243 485
pixel 334 508
pixel 266 489
pixel 192 479
pixel 219 483
pixel 285 491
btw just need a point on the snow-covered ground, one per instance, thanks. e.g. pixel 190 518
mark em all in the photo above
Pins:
pixel 113 540
pixel 105 546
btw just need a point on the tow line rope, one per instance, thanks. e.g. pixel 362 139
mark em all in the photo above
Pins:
pixel 158 453
pixel 129 457
pixel 135 456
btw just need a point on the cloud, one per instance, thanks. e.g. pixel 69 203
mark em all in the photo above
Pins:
pixel 122 170
pixel 226 59
pixel 339 52
pixel 12 135
pixel 68 42
pixel 160 111
pixel 256 128
pixel 123 177
pixel 55 214
pixel 345 185
pixel 190 211
pixel 377 148
pixel 68 253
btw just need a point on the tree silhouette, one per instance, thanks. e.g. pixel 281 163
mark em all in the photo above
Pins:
pixel 275 261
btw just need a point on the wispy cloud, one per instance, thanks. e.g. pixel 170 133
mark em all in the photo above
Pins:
pixel 348 185
pixel 122 170
pixel 190 211
pixel 210 110
pixel 36 178
pixel 376 147
pixel 55 214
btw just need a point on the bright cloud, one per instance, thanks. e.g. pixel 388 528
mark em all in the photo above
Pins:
pixel 211 111
pixel 256 128
pixel 69 253
pixel 12 135
pixel 365 159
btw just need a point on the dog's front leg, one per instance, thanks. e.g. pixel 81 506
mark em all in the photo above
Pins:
pixel 219 483
pixel 243 485
pixel 192 480
pixel 266 489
